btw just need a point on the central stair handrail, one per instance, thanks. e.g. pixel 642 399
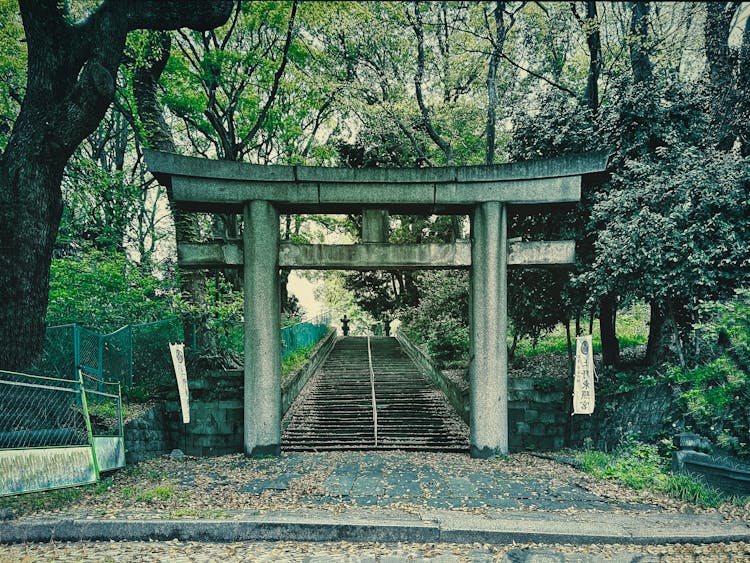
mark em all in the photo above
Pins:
pixel 372 390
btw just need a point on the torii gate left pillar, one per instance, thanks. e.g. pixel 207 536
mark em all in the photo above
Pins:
pixel 262 415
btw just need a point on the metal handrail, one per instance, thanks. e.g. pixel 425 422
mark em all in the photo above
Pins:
pixel 372 390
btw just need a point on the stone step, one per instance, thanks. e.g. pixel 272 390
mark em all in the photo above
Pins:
pixel 336 410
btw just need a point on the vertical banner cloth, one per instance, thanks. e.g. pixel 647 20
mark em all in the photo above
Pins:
pixel 178 360
pixel 583 383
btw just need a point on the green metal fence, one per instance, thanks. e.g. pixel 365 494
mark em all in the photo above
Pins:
pixel 303 334
pixel 137 354
pixel 57 432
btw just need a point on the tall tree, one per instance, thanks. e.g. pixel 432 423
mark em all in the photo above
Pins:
pixel 498 44
pixel 728 77
pixel 72 65
pixel 157 135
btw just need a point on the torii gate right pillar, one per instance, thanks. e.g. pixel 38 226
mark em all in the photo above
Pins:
pixel 488 310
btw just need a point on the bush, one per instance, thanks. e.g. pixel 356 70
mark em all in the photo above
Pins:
pixel 640 466
pixel 716 394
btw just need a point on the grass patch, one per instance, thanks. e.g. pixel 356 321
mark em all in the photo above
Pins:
pixel 158 492
pixel 632 330
pixel 185 513
pixel 639 466
pixel 295 360
pixel 107 409
pixel 43 500
pixel 55 499
pixel 687 488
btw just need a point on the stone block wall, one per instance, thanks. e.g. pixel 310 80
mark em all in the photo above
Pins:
pixel 536 414
pixel 646 412
pixel 216 426
pixel 216 414
pixel 147 436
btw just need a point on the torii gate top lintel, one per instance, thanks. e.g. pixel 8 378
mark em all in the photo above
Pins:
pixel 205 184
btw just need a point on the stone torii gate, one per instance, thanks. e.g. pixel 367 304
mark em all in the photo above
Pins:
pixel 261 193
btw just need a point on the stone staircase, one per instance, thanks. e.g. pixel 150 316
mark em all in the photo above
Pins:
pixel 334 411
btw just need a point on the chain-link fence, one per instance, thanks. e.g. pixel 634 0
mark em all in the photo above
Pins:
pixel 57 432
pixel 104 406
pixel 303 334
pixel 152 361
pixel 37 411
pixel 139 354
pixel 59 356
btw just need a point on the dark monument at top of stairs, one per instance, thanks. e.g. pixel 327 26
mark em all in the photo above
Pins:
pixel 482 192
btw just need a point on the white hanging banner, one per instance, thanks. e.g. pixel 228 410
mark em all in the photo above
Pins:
pixel 178 360
pixel 583 383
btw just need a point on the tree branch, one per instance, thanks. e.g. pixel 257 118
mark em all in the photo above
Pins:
pixel 276 80
pixel 173 14
pixel 539 76
pixel 417 26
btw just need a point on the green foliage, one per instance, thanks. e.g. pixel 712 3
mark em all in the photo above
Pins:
pixel 341 301
pixel 681 217
pixel 632 330
pixel 295 360
pixel 726 327
pixel 100 206
pixel 106 409
pixel 715 396
pixel 640 466
pixel 633 463
pixel 106 292
pixel 13 60
pixel 440 319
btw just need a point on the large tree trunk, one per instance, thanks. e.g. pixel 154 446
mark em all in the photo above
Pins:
pixel 158 136
pixel 657 348
pixel 30 211
pixel 607 302
pixel 594 42
pixel 640 58
pixel 743 92
pixel 498 44
pixel 70 84
pixel 721 85
pixel 607 330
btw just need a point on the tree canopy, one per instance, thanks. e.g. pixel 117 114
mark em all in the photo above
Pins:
pixel 662 85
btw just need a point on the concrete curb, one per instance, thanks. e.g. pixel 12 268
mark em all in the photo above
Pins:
pixel 440 526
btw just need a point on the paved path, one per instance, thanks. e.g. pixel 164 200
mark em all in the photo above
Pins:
pixel 387 479
pixel 274 552
pixel 384 497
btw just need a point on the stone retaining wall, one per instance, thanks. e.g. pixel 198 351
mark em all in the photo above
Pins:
pixel 216 413
pixel 457 397
pixel 536 407
pixel 538 412
pixel 297 381
pixel 147 436
pixel 646 412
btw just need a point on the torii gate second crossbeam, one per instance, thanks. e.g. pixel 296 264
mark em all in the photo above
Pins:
pixel 261 193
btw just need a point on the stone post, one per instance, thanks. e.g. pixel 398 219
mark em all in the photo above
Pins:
pixel 375 225
pixel 488 368
pixel 262 330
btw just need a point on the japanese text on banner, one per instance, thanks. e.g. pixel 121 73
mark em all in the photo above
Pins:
pixel 583 383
